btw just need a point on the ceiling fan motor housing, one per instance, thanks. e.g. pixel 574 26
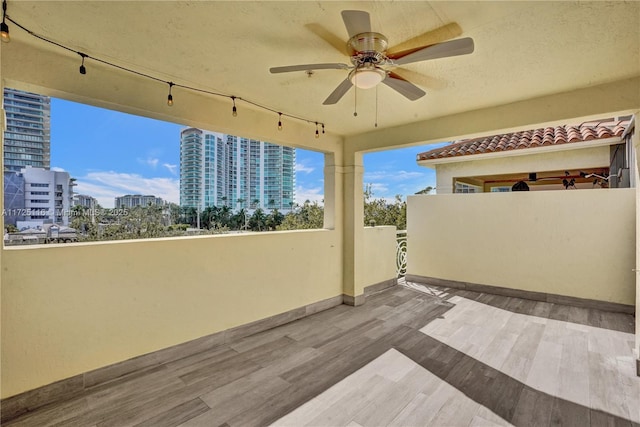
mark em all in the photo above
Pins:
pixel 367 48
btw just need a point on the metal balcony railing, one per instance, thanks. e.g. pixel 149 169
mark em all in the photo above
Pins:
pixel 401 253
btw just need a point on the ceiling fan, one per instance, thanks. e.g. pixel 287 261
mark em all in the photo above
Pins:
pixel 371 64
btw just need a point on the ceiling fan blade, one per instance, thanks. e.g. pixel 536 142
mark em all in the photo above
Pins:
pixel 439 35
pixel 405 88
pixel 326 35
pixel 308 67
pixel 356 21
pixel 338 93
pixel 420 79
pixel 440 50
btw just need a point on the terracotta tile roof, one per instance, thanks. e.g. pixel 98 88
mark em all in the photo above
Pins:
pixel 548 136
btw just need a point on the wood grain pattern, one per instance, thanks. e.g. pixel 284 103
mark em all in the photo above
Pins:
pixel 453 357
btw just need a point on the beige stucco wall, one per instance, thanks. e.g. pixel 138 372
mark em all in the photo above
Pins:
pixel 575 243
pixel 635 141
pixel 548 161
pixel 72 308
pixel 379 262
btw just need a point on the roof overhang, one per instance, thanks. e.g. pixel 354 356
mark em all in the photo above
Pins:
pixel 523 152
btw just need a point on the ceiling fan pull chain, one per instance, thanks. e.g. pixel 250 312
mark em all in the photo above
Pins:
pixel 355 95
pixel 376 123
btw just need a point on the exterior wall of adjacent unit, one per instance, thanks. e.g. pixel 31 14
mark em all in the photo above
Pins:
pixel 470 166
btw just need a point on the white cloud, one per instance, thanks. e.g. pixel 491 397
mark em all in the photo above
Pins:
pixel 377 188
pixel 172 168
pixel 303 168
pixel 149 161
pixel 395 176
pixel 57 169
pixel 106 185
pixel 313 194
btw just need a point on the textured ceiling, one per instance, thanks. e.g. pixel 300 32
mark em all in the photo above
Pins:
pixel 522 49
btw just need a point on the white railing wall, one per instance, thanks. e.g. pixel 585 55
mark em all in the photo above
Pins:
pixel 578 243
pixel 78 307
pixel 378 255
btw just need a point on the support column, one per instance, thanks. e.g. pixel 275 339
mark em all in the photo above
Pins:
pixel 635 141
pixel 333 192
pixel 353 209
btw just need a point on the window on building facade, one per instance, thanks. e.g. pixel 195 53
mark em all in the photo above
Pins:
pixel 462 187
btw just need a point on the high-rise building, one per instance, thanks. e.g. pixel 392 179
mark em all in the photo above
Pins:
pixel 27 137
pixel 225 170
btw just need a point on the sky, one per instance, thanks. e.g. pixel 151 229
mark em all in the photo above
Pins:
pixel 112 154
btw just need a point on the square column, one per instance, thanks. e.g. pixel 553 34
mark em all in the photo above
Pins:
pixel 353 249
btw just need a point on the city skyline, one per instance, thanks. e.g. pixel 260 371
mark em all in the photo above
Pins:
pixel 112 154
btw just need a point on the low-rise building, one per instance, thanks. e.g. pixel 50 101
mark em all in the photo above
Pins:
pixel 134 200
pixel 38 195
pixel 85 201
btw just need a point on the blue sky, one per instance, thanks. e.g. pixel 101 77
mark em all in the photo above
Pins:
pixel 112 154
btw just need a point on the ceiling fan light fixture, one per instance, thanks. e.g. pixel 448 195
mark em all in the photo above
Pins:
pixel 366 78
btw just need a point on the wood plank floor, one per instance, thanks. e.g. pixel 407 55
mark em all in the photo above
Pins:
pixel 407 357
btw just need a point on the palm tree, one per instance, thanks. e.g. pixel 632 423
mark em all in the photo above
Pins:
pixel 225 216
pixel 258 220
pixel 255 203
pixel 274 219
pixel 208 217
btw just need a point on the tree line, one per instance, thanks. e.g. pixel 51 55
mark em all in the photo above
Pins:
pixel 172 220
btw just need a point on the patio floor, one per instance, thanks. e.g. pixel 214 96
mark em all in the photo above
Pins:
pixel 409 356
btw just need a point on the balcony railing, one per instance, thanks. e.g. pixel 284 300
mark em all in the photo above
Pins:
pixel 401 253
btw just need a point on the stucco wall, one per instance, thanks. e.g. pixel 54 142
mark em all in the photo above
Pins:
pixel 549 161
pixel 73 308
pixel 379 262
pixel 575 243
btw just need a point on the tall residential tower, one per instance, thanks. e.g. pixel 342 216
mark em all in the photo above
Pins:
pixel 225 170
pixel 27 137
